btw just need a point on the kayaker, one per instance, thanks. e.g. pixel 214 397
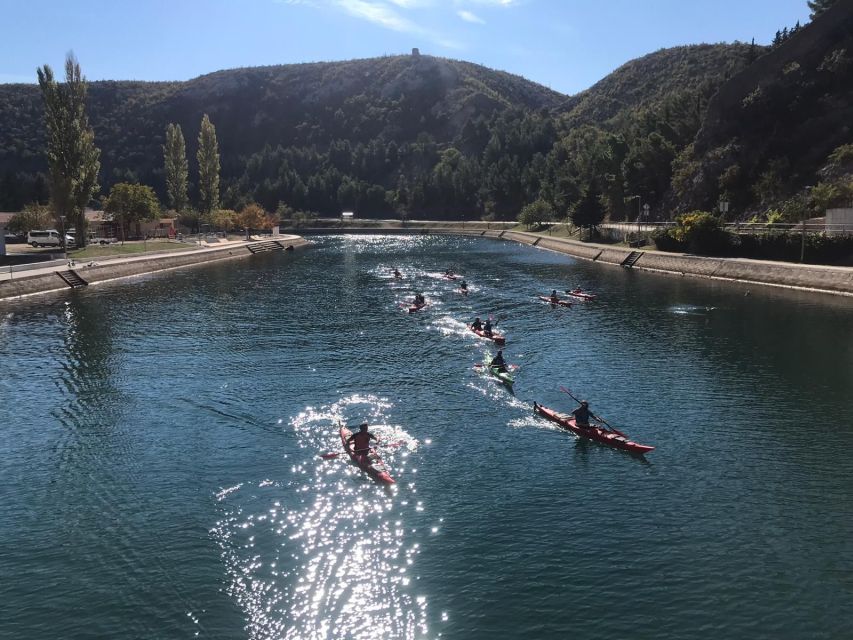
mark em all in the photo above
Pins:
pixel 397 274
pixel 477 325
pixel 419 299
pixel 487 328
pixel 449 273
pixel 464 286
pixel 554 297
pixel 582 414
pixel 498 362
pixel 361 440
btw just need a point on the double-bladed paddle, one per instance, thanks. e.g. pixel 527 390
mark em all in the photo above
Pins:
pixel 595 417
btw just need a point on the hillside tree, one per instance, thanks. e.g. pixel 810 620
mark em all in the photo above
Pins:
pixel 175 161
pixel 588 212
pixel 819 6
pixel 72 156
pixel 208 167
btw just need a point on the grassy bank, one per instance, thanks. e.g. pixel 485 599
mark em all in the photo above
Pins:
pixel 127 249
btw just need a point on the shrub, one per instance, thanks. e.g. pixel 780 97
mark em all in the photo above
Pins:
pixel 702 233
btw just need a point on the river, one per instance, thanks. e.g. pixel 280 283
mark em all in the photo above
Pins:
pixel 161 441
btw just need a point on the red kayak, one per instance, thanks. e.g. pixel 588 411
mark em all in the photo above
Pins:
pixel 371 463
pixel 581 295
pixel 495 337
pixel 611 439
pixel 562 303
pixel 451 276
pixel 417 307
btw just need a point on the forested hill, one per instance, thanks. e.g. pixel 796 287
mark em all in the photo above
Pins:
pixel 371 119
pixel 645 81
pixel 424 136
pixel 781 128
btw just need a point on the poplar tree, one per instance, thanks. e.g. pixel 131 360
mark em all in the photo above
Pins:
pixel 72 156
pixel 175 160
pixel 208 167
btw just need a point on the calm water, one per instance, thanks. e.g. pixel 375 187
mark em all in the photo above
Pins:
pixel 161 478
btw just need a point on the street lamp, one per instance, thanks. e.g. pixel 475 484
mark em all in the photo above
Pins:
pixel 803 230
pixel 64 245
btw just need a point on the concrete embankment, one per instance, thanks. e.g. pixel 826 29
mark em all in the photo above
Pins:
pixel 56 278
pixel 838 280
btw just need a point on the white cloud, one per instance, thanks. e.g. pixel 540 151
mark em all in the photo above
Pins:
pixel 491 3
pixel 412 4
pixel 378 13
pixel 386 15
pixel 467 16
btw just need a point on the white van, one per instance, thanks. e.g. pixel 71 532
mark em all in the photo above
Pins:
pixel 47 238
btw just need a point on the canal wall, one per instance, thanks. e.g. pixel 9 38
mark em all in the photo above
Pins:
pixel 104 269
pixel 822 278
pixel 837 280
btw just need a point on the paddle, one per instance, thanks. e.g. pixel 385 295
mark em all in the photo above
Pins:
pixel 335 454
pixel 614 430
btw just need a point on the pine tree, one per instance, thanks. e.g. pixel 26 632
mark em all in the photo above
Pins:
pixel 208 166
pixel 588 212
pixel 819 6
pixel 72 155
pixel 175 160
pixel 777 40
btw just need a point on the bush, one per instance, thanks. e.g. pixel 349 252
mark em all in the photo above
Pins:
pixel 700 232
pixel 665 242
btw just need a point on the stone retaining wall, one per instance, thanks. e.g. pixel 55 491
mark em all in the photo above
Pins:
pixel 105 271
pixel 780 274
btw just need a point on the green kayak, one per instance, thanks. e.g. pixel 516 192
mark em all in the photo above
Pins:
pixel 503 376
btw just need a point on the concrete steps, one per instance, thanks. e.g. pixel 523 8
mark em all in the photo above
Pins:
pixel 72 279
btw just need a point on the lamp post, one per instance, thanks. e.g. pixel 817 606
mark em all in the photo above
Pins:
pixel 64 244
pixel 803 230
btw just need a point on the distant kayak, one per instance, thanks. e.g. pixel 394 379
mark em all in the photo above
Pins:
pixel 417 307
pixel 495 337
pixel 597 434
pixel 581 295
pixel 371 463
pixel 562 303
pixel 451 276
pixel 503 376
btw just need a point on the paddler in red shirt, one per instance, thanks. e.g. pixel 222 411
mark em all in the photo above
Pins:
pixel 361 440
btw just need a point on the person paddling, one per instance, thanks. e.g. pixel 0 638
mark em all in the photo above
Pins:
pixel 477 325
pixel 464 286
pixel 419 300
pixel 361 440
pixel 582 414
pixel 397 273
pixel 554 297
pixel 498 363
pixel 487 328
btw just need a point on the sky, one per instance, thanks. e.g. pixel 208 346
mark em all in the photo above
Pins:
pixel 567 45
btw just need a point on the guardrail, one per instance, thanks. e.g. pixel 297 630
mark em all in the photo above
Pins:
pixel 743 227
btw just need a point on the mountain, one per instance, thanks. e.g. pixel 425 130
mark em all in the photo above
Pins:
pixel 770 131
pixel 647 80
pixel 677 129
pixel 304 106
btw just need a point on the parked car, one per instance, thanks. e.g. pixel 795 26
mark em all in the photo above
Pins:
pixel 15 238
pixel 95 239
pixel 48 238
